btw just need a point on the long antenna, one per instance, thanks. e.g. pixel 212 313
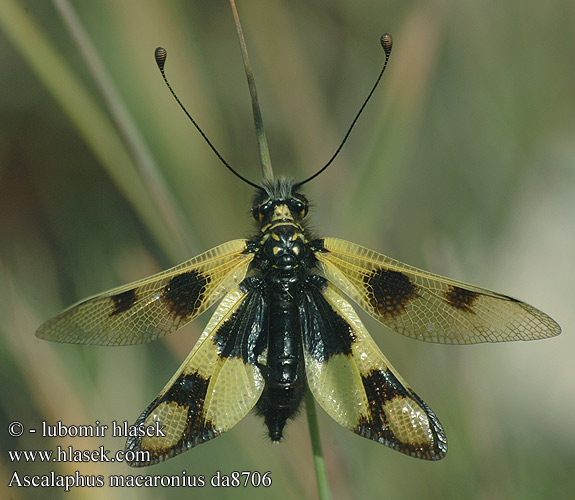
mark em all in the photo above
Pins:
pixel 387 44
pixel 161 54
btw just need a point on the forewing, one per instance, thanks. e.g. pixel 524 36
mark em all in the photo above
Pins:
pixel 427 306
pixel 354 383
pixel 153 307
pixel 216 386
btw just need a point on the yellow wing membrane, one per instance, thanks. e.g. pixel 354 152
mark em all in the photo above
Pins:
pixel 211 392
pixel 426 306
pixel 153 307
pixel 360 389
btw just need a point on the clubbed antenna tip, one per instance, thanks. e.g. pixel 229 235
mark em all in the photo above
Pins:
pixel 386 43
pixel 160 54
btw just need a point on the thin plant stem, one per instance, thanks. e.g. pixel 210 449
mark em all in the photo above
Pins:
pixel 267 172
pixel 84 112
pixel 265 159
pixel 318 460
pixel 144 161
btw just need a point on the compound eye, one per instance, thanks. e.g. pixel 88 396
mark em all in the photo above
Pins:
pixel 298 206
pixel 260 211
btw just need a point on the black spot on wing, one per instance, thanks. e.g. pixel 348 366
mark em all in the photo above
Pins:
pixel 389 292
pixel 188 392
pixel 326 333
pixel 460 298
pixel 184 293
pixel 381 387
pixel 243 335
pixel 123 301
pixel 378 389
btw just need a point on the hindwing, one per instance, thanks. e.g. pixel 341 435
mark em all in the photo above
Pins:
pixel 215 387
pixel 426 306
pixel 153 307
pixel 354 383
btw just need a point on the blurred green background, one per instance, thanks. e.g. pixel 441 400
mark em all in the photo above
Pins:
pixel 463 164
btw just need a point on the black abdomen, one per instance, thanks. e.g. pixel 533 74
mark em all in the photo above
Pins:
pixel 284 373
